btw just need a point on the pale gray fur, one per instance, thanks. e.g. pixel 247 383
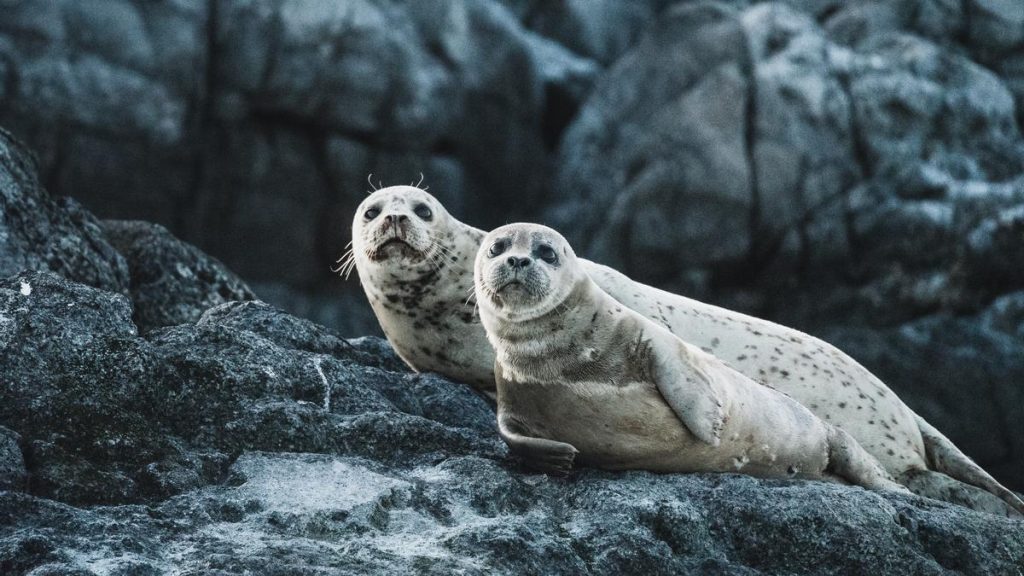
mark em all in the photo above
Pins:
pixel 828 382
pixel 579 374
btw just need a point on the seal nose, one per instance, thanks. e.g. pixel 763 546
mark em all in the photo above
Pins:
pixel 393 219
pixel 519 263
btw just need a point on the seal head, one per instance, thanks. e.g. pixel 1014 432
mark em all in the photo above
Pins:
pixel 396 232
pixel 524 271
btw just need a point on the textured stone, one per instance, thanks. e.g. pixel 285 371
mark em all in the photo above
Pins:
pixel 37 232
pixel 171 282
pixel 13 475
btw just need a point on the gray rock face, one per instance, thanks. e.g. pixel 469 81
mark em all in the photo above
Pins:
pixel 37 232
pixel 256 442
pixel 13 475
pixel 735 141
pixel 171 282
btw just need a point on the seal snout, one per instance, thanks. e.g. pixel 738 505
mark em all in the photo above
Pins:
pixel 518 263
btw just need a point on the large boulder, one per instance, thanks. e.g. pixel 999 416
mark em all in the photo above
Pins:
pixel 730 142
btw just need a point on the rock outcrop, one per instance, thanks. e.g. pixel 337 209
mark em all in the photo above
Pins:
pixel 252 441
pixel 170 282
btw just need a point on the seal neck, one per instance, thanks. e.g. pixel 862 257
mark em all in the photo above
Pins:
pixel 558 331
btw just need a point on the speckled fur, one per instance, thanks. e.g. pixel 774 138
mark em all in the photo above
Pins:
pixel 828 382
pixel 421 294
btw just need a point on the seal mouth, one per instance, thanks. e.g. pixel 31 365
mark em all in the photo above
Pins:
pixel 393 241
pixel 513 282
pixel 392 247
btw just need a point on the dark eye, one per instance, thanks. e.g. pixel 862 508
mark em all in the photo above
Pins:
pixel 547 254
pixel 423 211
pixel 497 248
pixel 371 213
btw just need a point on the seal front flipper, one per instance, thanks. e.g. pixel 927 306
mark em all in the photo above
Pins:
pixel 548 456
pixel 689 389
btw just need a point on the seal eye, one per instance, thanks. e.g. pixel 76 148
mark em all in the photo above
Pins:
pixel 423 211
pixel 547 254
pixel 497 248
pixel 371 213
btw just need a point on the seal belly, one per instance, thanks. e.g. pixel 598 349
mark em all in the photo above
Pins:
pixel 614 426
pixel 628 426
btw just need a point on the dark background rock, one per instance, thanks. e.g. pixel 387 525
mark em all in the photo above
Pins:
pixel 41 233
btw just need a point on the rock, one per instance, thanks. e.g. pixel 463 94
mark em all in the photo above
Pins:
pixel 172 282
pixel 254 441
pixel 104 91
pixel 664 129
pixel 158 111
pixel 75 376
pixel 40 233
pixel 757 168
pixel 13 475
pixel 333 515
pixel 601 30
pixel 109 416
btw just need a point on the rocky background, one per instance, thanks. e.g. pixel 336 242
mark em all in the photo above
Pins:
pixel 156 419
pixel 854 169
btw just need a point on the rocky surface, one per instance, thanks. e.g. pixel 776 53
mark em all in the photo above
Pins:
pixel 170 282
pixel 252 441
pixel 40 233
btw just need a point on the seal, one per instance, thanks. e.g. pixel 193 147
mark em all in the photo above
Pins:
pixel 414 262
pixel 582 377
pixel 423 301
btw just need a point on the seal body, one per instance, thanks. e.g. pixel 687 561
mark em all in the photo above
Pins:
pixel 825 380
pixel 612 412
pixel 424 304
pixel 575 367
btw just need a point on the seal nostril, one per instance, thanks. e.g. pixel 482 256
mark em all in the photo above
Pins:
pixel 403 218
pixel 518 262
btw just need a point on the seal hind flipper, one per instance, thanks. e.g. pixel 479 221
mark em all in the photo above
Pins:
pixel 943 456
pixel 848 460
pixel 939 486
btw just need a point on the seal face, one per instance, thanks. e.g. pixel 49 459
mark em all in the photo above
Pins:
pixel 580 376
pixel 415 265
